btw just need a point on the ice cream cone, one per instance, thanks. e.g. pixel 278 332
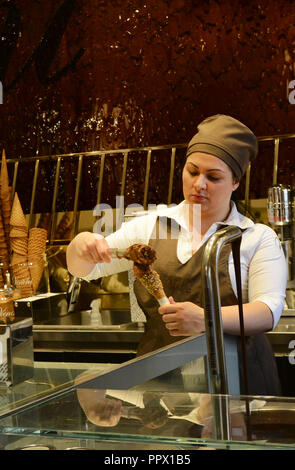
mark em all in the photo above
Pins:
pixel 140 253
pixel 150 279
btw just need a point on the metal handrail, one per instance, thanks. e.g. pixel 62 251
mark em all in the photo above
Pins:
pixel 213 323
pixel 103 154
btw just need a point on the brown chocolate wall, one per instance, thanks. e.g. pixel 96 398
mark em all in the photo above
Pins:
pixel 100 74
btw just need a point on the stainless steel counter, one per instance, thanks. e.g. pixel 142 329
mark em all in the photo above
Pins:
pixel 283 334
pixel 75 333
pixel 71 333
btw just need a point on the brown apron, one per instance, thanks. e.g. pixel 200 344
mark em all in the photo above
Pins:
pixel 183 283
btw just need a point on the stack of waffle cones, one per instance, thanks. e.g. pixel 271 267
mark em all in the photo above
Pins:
pixel 5 194
pixel 36 251
pixel 4 253
pixel 28 250
pixel 22 252
pixel 19 246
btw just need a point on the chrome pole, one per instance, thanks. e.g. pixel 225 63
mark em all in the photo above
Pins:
pixel 33 196
pixel 171 176
pixel 147 179
pixel 214 330
pixel 276 162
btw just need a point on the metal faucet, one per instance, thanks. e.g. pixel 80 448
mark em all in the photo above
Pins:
pixel 213 322
pixel 73 293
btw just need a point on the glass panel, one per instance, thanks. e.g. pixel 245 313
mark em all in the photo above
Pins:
pixel 47 379
pixel 96 418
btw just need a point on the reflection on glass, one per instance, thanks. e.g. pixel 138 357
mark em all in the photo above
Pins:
pixel 166 418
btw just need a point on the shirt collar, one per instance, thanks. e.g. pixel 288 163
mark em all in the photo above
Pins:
pixel 235 217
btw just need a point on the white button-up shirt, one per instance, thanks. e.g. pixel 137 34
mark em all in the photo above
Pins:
pixel 263 265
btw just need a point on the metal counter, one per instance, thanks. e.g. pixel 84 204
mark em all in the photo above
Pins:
pixel 68 333
pixel 283 334
pixel 69 338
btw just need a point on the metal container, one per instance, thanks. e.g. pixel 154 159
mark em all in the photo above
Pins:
pixel 280 205
pixel 16 351
pixel 42 307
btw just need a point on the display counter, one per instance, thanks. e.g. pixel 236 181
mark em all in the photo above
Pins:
pixel 48 378
pixel 157 401
pixel 137 419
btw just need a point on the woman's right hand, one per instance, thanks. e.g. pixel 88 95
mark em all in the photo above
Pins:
pixel 92 248
pixel 86 250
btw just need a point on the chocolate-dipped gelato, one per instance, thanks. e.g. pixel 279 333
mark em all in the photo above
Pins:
pixel 141 254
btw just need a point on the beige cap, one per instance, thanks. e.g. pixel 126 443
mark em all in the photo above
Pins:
pixel 228 139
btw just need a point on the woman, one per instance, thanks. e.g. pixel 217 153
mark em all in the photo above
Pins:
pixel 217 157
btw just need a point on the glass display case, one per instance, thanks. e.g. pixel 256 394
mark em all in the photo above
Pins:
pixel 160 401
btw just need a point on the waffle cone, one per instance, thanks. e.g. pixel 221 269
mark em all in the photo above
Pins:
pixel 38 233
pixel 17 216
pixel 150 279
pixel 18 259
pixel 36 272
pixel 2 231
pixel 18 232
pixel 4 248
pixel 19 246
pixel 5 193
pixel 4 177
pixel 37 242
pixel 22 279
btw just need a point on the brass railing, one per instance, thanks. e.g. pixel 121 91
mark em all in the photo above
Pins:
pixel 103 154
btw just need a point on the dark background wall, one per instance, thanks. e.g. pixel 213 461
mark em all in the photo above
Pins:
pixel 84 75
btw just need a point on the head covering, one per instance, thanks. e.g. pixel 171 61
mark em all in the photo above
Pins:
pixel 228 139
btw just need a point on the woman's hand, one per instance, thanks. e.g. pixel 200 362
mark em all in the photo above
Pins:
pixel 92 248
pixel 86 250
pixel 183 318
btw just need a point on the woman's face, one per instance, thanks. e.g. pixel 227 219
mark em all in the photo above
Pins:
pixel 208 181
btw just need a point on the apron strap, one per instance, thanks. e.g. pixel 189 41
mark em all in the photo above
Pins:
pixel 236 244
pixel 237 264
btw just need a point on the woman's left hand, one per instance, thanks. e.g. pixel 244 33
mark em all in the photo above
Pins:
pixel 183 318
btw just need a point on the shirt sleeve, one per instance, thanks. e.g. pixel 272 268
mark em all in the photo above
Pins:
pixel 268 274
pixel 137 230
